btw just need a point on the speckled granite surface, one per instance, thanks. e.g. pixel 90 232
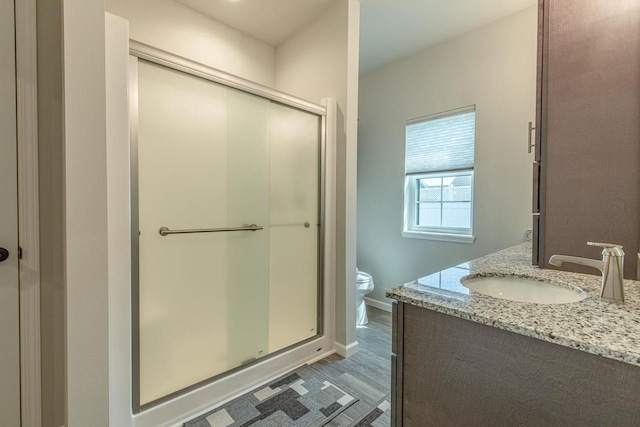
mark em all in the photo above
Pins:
pixel 590 325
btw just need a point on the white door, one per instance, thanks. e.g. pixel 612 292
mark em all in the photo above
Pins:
pixel 9 296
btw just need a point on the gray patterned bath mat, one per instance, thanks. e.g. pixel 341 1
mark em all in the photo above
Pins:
pixel 378 416
pixel 301 398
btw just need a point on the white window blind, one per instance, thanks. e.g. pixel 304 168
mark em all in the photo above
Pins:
pixel 441 142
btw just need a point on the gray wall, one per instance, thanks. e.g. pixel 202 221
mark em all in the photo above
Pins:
pixel 493 67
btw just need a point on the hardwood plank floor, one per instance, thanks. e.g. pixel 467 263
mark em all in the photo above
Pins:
pixel 366 374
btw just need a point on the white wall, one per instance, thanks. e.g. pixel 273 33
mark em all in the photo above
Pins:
pixel 119 243
pixel 494 68
pixel 85 214
pixel 171 26
pixel 312 63
pixel 322 61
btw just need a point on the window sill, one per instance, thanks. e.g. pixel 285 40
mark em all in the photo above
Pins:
pixel 442 237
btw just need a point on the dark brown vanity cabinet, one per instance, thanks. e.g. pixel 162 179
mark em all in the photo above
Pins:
pixel 448 371
pixel 588 129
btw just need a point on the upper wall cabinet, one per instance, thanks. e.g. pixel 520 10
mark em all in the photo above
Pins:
pixel 588 129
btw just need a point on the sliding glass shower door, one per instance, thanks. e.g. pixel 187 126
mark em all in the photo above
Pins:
pixel 228 191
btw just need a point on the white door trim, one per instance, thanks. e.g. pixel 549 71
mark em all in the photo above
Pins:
pixel 9 280
pixel 28 211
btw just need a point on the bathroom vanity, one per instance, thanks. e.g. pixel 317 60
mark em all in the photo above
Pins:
pixel 464 358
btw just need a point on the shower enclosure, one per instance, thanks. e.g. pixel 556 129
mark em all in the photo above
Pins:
pixel 226 220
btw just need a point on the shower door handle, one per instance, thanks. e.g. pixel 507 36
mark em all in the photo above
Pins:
pixel 165 231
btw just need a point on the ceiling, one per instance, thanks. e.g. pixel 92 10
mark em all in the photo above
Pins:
pixel 392 29
pixel 271 21
pixel 389 29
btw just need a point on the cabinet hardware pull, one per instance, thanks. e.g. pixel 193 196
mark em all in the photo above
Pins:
pixel 530 144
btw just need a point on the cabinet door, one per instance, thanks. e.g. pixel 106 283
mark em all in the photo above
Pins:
pixel 535 209
pixel 539 132
pixel 396 363
pixel 461 373
pixel 589 135
pixel 541 81
pixel 535 240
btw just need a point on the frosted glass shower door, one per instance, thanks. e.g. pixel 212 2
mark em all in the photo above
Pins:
pixel 203 153
pixel 294 226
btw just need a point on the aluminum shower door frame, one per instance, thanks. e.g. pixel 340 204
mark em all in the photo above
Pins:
pixel 140 51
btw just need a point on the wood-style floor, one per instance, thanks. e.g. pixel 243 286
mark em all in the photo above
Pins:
pixel 367 374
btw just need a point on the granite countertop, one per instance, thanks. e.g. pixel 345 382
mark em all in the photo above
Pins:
pixel 591 325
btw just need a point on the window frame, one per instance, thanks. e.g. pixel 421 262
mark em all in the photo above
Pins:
pixel 411 229
pixel 412 201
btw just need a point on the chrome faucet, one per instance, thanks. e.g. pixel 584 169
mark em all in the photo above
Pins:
pixel 611 266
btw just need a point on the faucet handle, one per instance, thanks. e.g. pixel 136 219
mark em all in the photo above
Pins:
pixel 608 248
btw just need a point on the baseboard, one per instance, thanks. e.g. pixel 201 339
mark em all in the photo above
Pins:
pixel 385 306
pixel 348 350
pixel 320 357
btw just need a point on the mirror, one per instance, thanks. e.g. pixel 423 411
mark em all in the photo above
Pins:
pixel 421 61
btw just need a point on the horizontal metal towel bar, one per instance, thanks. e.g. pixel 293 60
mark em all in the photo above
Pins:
pixel 165 231
pixel 306 225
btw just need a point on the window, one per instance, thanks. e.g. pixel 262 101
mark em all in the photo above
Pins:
pixel 439 160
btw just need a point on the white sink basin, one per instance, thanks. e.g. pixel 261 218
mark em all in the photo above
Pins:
pixel 523 290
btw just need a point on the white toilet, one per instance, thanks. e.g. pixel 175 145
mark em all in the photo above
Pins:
pixel 364 285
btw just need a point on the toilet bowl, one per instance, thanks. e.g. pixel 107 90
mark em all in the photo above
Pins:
pixel 364 285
